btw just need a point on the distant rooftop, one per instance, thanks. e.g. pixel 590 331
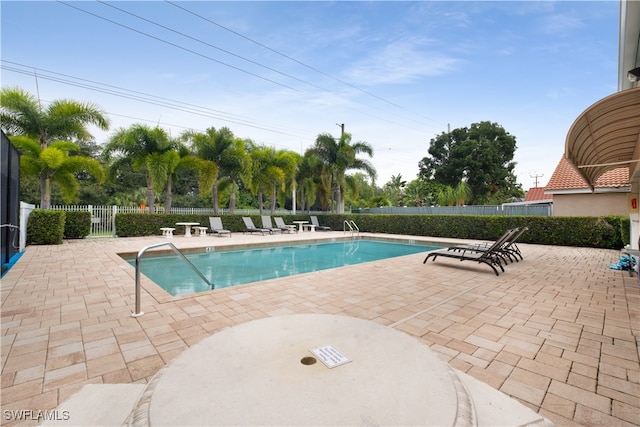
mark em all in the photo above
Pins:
pixel 566 177
pixel 537 193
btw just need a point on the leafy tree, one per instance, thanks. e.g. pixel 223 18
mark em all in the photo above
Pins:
pixel 146 149
pixel 287 161
pixel 481 156
pixel 394 190
pixel 339 156
pixel 266 174
pixel 54 164
pixel 360 192
pixel 458 196
pixel 62 121
pixel 228 153
pixel 307 175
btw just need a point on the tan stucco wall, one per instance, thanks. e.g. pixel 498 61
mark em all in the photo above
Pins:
pixel 595 204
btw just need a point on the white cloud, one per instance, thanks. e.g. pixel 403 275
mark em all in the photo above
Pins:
pixel 401 61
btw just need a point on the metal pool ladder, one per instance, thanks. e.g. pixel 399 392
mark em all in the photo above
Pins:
pixel 352 227
pixel 138 313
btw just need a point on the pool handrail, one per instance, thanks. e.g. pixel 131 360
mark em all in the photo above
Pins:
pixel 138 313
pixel 352 225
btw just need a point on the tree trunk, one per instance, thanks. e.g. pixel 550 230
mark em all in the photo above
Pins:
pixel 167 200
pixel 151 200
pixel 214 198
pixel 151 197
pixel 260 203
pixel 339 202
pixel 232 198
pixel 274 193
pixel 45 192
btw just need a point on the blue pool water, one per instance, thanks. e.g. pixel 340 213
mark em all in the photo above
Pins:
pixel 226 268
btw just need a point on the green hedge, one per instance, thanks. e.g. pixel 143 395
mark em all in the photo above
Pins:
pixel 49 227
pixel 45 227
pixel 77 224
pixel 599 232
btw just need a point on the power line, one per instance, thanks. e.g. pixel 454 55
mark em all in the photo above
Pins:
pixel 284 55
pixel 145 98
pixel 232 66
pixel 213 46
pixel 177 46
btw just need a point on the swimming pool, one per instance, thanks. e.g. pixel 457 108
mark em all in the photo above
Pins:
pixel 225 267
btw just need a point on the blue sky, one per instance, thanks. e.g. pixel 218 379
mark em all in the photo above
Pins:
pixel 395 73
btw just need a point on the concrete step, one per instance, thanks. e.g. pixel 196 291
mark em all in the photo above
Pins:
pixel 96 405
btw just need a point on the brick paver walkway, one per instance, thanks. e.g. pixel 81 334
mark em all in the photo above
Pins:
pixel 558 331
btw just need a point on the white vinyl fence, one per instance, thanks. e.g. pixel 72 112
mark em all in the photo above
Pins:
pixel 103 218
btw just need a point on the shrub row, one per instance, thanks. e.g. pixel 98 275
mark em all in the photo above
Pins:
pixel 45 227
pixel 599 232
pixel 49 227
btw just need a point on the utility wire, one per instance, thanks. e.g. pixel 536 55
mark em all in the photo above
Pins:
pixel 177 46
pixel 223 63
pixel 238 56
pixel 295 60
pixel 215 47
pixel 149 99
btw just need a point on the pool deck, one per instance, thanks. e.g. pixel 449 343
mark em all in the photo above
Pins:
pixel 558 331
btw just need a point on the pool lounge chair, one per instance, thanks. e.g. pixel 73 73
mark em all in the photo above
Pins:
pixel 314 221
pixel 266 223
pixel 498 246
pixel 215 224
pixel 251 228
pixel 489 256
pixel 508 250
pixel 284 227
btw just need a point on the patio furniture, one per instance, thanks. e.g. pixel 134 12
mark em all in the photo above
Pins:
pixel 284 227
pixel 167 232
pixel 187 227
pixel 251 228
pixel 300 224
pixel 314 221
pixel 266 223
pixel 202 231
pixel 490 256
pixel 215 224
pixel 501 246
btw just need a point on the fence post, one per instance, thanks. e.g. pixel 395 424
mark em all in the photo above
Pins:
pixel 90 209
pixel 113 221
pixel 25 211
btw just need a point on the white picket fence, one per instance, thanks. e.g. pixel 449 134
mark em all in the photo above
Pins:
pixel 103 218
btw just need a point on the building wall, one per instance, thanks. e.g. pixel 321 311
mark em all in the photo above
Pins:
pixel 591 204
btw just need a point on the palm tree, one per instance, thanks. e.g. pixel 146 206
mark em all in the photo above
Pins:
pixel 394 189
pixel 147 149
pixel 53 164
pixel 307 171
pixel 287 161
pixel 62 120
pixel 228 153
pixel 266 174
pixel 339 156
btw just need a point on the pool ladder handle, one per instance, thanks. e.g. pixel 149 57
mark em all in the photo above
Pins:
pixel 352 225
pixel 138 313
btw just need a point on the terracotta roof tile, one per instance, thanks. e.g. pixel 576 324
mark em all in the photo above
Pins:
pixel 566 177
pixel 537 193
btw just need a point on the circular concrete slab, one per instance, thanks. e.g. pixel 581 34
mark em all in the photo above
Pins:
pixel 263 373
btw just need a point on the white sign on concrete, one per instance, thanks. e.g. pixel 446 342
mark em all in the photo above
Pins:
pixel 330 356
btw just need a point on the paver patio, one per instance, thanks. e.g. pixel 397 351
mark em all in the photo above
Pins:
pixel 558 331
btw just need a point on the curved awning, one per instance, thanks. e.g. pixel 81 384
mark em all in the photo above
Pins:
pixel 606 136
